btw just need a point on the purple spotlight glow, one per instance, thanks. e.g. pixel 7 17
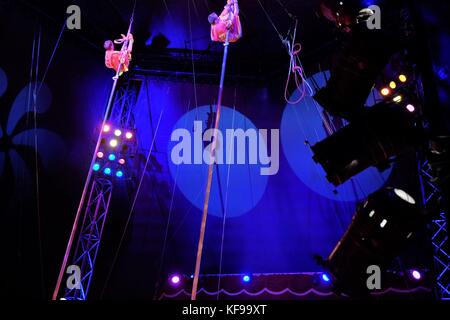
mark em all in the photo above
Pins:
pixel 416 275
pixel 175 280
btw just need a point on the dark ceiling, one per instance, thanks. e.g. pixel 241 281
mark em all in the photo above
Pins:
pixel 164 29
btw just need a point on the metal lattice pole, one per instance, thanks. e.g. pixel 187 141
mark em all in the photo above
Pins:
pixel 95 214
pixel 431 197
pixel 95 204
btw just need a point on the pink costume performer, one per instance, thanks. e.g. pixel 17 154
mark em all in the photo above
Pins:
pixel 227 21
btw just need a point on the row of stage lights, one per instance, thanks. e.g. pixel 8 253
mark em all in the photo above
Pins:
pixel 176 280
pixel 113 151
pixel 391 90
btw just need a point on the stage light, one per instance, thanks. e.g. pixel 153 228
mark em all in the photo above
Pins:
pixel 129 135
pixel 246 278
pixel 365 244
pixel 402 78
pixel 119 174
pixel 100 155
pixel 410 108
pixel 385 92
pixel 117 133
pixel 122 161
pixel 112 157
pixel 397 99
pixel 113 143
pixel 386 131
pixel 175 280
pixel 107 128
pixel 392 85
pixel 404 196
pixel 416 275
pixel 326 277
pixel 107 171
pixel 96 167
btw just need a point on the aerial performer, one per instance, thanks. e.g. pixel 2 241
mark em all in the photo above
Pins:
pixel 113 58
pixel 227 21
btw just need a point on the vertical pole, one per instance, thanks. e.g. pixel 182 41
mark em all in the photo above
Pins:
pixel 88 179
pixel 210 173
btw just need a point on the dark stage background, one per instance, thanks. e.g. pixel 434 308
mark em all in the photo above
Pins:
pixel 275 224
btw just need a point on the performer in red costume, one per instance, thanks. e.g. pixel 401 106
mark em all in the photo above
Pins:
pixel 227 21
pixel 113 57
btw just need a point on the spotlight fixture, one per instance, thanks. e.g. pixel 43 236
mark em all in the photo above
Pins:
pixel 246 278
pixel 129 135
pixel 385 92
pixel 392 85
pixel 107 128
pixel 112 157
pixel 325 277
pixel 386 130
pixel 410 108
pixel 416 275
pixel 119 174
pixel 175 280
pixel 100 155
pixel 398 99
pixel 122 161
pixel 402 78
pixel 107 171
pixel 117 133
pixel 380 228
pixel 114 143
pixel 96 167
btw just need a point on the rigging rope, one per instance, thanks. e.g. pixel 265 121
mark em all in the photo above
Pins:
pixel 295 67
pixel 36 163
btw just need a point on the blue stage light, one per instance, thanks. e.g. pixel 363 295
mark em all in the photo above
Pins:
pixel 325 277
pixel 119 174
pixel 112 157
pixel 107 171
pixel 96 167
pixel 246 278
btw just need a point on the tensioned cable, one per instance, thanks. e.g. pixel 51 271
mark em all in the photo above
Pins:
pixel 169 220
pixel 36 163
pixel 271 21
pixel 163 253
pixel 167 9
pixel 58 41
pixel 141 180
pixel 226 200
pixel 192 56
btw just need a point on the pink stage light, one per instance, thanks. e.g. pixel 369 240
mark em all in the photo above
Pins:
pixel 175 280
pixel 416 275
pixel 107 128
pixel 410 108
